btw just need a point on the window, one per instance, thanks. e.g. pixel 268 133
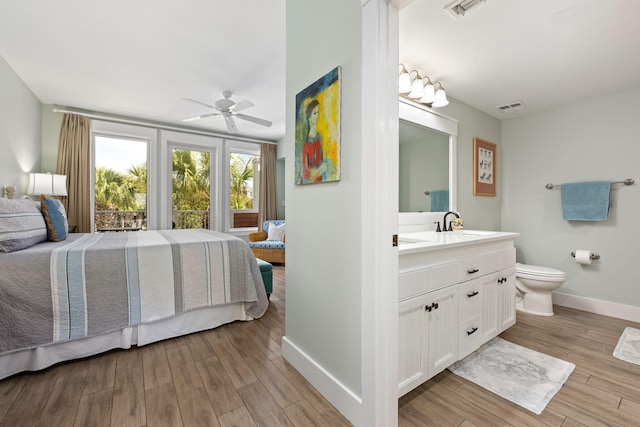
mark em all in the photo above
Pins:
pixel 190 184
pixel 165 179
pixel 244 182
pixel 120 184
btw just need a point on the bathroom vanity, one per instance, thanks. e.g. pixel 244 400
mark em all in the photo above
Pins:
pixel 456 292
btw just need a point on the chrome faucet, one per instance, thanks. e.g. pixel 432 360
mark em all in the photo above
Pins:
pixel 444 221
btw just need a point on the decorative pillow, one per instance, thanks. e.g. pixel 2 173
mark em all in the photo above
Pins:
pixel 21 224
pixel 276 232
pixel 55 217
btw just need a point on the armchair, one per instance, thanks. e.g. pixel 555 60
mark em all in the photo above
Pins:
pixel 269 248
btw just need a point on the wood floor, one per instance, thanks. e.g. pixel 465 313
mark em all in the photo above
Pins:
pixel 235 376
pixel 601 391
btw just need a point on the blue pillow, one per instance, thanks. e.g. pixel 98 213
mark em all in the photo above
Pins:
pixel 55 217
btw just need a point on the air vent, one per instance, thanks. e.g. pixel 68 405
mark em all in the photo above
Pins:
pixel 458 8
pixel 512 106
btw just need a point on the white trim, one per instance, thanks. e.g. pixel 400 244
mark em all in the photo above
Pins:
pixel 413 112
pixel 605 308
pixel 345 401
pixel 379 212
pixel 155 125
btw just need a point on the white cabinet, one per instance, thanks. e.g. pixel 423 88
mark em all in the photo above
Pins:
pixel 470 329
pixel 452 302
pixel 427 337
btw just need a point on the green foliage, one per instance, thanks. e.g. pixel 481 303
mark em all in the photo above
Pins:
pixel 241 171
pixel 190 181
pixel 115 191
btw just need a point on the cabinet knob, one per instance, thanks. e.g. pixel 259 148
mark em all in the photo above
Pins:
pixel 434 305
pixel 428 308
pixel 472 294
pixel 475 270
pixel 473 330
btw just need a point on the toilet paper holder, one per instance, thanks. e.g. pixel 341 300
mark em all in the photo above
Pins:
pixel 592 256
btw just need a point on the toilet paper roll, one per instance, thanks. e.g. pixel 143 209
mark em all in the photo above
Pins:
pixel 583 256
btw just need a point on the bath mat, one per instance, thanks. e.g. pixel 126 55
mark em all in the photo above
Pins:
pixel 518 374
pixel 628 347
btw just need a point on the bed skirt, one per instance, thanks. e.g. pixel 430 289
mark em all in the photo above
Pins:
pixel 185 323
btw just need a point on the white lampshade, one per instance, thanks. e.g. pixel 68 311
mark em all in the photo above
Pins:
pixel 404 81
pixel 429 94
pixel 47 184
pixel 440 99
pixel 417 88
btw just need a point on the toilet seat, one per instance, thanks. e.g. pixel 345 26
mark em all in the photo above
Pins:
pixel 536 271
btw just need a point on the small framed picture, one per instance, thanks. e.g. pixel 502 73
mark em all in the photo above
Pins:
pixel 484 168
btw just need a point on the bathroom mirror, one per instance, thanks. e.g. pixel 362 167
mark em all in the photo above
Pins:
pixel 427 159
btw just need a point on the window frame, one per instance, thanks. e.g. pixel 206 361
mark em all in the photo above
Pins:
pixel 247 148
pixel 136 133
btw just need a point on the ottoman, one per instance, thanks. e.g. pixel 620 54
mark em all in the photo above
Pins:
pixel 266 269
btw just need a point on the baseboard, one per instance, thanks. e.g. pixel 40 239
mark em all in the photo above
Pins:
pixel 606 308
pixel 345 401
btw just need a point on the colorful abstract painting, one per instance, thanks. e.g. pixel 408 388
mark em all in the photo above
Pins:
pixel 318 130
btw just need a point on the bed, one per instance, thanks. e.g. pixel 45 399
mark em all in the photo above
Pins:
pixel 95 292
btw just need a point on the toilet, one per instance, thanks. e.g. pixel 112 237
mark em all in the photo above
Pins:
pixel 534 285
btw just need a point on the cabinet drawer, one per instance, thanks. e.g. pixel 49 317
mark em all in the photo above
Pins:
pixel 418 282
pixel 470 299
pixel 470 337
pixel 480 265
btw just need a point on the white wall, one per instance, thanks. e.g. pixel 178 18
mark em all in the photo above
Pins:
pixel 323 233
pixel 479 212
pixel 51 125
pixel 20 131
pixel 592 140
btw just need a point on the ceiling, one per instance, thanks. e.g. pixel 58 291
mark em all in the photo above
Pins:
pixel 545 53
pixel 140 58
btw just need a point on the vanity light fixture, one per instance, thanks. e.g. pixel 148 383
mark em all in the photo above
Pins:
pixel 417 86
pixel 421 89
pixel 429 92
pixel 404 81
pixel 441 97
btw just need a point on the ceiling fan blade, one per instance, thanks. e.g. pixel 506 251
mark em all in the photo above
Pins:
pixel 201 103
pixel 202 116
pixel 231 125
pixel 242 105
pixel 256 120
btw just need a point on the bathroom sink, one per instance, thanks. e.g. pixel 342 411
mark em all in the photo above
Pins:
pixel 417 237
pixel 403 241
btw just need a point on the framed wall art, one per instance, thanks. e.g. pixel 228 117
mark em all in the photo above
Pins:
pixel 317 155
pixel 484 168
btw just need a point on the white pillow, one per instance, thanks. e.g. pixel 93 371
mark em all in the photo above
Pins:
pixel 276 232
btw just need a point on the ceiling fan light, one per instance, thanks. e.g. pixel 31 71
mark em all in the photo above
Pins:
pixel 441 99
pixel 429 94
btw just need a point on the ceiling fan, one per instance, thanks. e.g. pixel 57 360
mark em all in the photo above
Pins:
pixel 228 109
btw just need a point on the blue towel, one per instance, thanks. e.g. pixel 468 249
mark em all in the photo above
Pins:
pixel 586 201
pixel 439 201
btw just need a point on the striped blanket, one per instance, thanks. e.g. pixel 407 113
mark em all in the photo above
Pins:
pixel 95 283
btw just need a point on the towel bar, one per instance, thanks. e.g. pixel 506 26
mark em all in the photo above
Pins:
pixel 593 255
pixel 627 181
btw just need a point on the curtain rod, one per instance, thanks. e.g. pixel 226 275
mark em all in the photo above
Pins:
pixel 155 125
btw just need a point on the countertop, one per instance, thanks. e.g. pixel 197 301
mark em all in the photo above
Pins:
pixel 423 241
